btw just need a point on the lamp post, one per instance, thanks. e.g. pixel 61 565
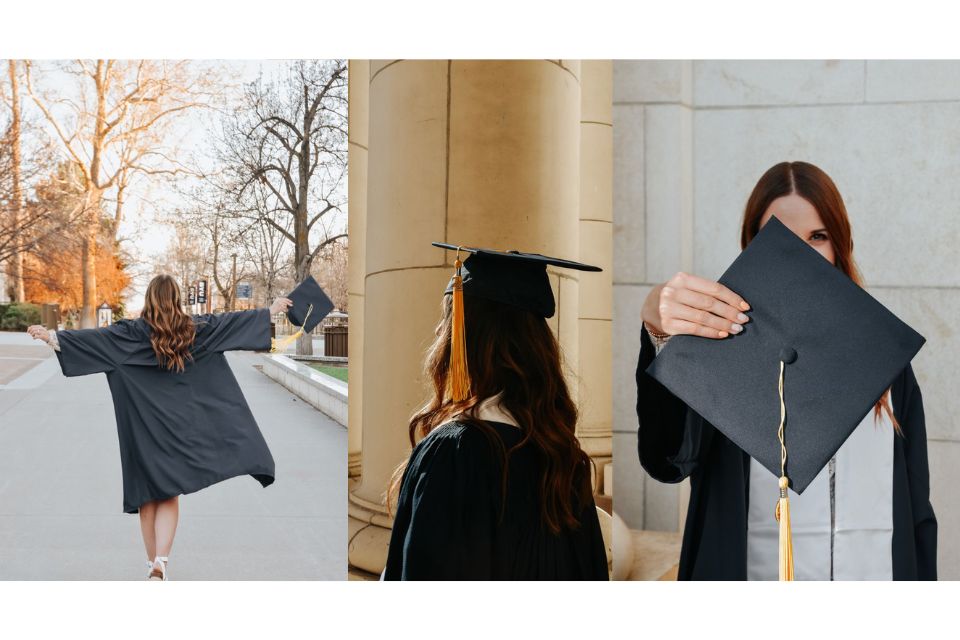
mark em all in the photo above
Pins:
pixel 104 315
pixel 233 279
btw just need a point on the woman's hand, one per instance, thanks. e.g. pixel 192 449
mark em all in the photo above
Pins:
pixel 280 305
pixel 691 305
pixel 39 332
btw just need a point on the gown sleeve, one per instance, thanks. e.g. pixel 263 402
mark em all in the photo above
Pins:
pixel 85 351
pixel 913 425
pixel 234 330
pixel 446 512
pixel 671 437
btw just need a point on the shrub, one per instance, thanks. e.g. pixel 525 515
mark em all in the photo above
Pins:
pixel 19 315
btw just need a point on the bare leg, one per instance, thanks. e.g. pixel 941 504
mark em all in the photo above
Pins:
pixel 165 527
pixel 148 514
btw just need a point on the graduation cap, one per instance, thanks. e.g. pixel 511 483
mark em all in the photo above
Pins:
pixel 508 277
pixel 310 306
pixel 816 356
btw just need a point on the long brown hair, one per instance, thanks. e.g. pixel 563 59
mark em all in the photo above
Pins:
pixel 513 353
pixel 172 331
pixel 813 185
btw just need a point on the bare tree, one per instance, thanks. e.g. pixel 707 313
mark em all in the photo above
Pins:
pixel 114 128
pixel 284 151
pixel 16 185
pixel 27 166
pixel 332 273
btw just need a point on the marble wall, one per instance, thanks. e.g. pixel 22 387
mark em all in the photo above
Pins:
pixel 690 141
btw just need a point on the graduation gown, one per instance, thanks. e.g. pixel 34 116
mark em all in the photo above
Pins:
pixel 448 522
pixel 178 432
pixel 675 443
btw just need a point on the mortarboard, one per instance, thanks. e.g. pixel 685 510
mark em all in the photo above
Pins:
pixel 816 356
pixel 511 277
pixel 508 277
pixel 310 306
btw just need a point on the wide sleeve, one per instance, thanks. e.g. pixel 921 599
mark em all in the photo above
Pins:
pixel 85 351
pixel 234 330
pixel 446 511
pixel 913 426
pixel 671 437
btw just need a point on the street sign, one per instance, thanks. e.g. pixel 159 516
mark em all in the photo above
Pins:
pixel 244 291
pixel 201 292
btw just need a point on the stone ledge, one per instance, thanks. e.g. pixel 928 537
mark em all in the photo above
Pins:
pixel 656 555
pixel 323 392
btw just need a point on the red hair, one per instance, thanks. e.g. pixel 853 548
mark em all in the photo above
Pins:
pixel 813 185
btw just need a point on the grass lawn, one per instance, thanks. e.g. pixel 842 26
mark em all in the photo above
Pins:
pixel 340 373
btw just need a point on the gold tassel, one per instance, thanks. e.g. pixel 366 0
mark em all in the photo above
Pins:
pixel 783 504
pixel 459 375
pixel 282 344
pixel 786 539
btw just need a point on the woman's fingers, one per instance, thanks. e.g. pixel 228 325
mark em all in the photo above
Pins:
pixel 702 318
pixel 709 304
pixel 714 290
pixel 690 328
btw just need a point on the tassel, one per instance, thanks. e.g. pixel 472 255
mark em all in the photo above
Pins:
pixel 459 375
pixel 782 512
pixel 786 539
pixel 282 344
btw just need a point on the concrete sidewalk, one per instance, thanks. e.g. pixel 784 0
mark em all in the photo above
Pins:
pixel 61 514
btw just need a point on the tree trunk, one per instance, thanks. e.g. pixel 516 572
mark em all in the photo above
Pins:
pixel 91 236
pixel 301 234
pixel 16 209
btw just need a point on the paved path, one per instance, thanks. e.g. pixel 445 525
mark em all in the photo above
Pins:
pixel 61 514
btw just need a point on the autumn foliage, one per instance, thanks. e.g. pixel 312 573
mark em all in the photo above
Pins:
pixel 53 275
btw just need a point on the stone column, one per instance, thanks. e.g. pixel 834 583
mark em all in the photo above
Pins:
pixel 358 115
pixel 472 152
pixel 596 247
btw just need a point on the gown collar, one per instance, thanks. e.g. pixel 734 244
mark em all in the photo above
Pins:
pixel 491 410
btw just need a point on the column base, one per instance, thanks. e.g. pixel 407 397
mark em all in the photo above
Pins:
pixel 368 532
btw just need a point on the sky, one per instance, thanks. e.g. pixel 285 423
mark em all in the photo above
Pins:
pixel 143 236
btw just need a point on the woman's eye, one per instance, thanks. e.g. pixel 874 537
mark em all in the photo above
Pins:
pixel 818 237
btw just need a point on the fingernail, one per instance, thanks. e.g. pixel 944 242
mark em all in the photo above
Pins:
pixel 743 318
pixel 744 306
pixel 736 328
pixel 724 334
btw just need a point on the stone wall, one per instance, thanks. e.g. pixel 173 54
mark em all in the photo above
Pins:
pixel 690 141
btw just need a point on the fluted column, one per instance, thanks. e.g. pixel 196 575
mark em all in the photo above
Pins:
pixel 358 114
pixel 596 247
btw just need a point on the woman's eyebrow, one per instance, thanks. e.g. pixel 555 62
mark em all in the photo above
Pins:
pixel 823 230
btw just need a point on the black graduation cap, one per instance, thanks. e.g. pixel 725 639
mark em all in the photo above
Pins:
pixel 840 349
pixel 310 305
pixel 816 356
pixel 511 277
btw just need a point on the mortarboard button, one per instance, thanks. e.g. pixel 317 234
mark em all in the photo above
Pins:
pixel 788 355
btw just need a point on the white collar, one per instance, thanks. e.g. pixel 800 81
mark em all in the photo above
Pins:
pixel 490 410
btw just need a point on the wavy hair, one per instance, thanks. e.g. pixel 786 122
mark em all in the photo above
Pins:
pixel 172 330
pixel 813 185
pixel 514 354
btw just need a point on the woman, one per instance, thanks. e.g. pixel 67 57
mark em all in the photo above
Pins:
pixel 846 528
pixel 497 486
pixel 182 421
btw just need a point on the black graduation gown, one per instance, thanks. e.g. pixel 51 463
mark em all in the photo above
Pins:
pixel 448 527
pixel 674 443
pixel 179 432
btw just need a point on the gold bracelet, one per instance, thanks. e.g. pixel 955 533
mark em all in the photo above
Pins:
pixel 659 335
